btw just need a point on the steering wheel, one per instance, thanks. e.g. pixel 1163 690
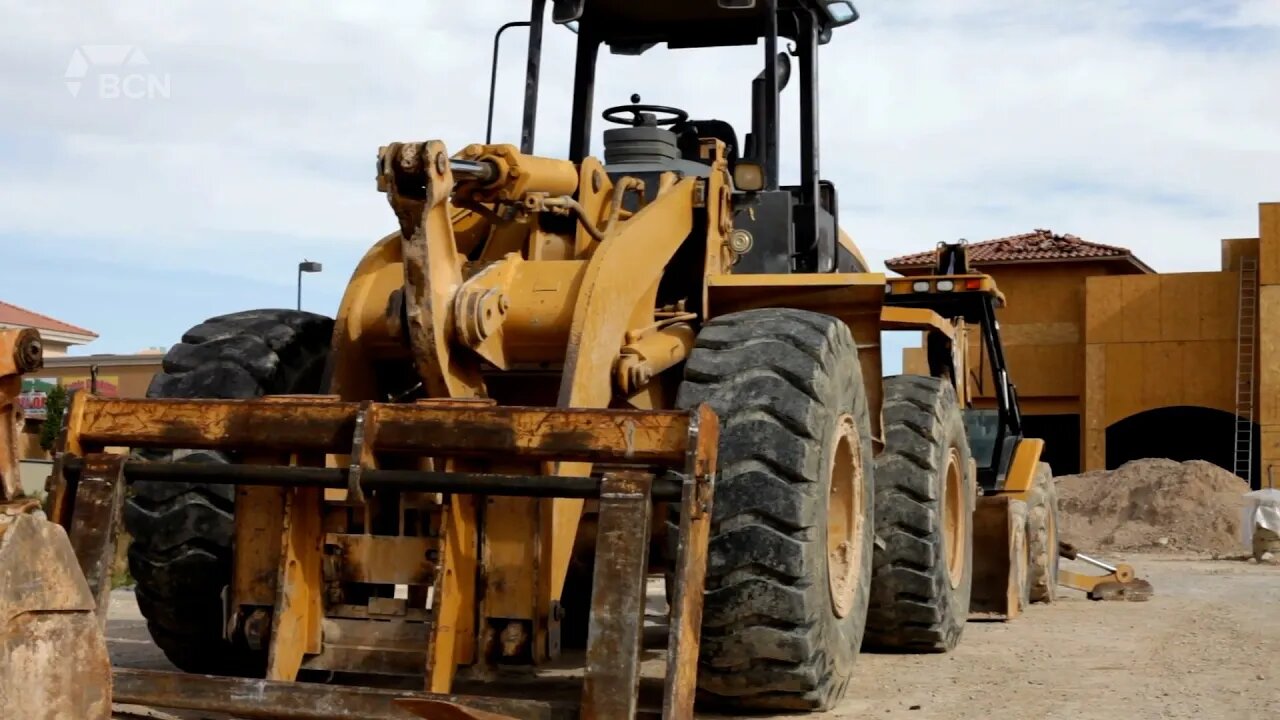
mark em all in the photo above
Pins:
pixel 640 114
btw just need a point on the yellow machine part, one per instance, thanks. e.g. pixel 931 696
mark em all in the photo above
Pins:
pixel 53 656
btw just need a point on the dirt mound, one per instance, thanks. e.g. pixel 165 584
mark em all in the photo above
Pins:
pixel 1153 504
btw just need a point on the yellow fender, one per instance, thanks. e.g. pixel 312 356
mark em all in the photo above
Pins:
pixel 1022 471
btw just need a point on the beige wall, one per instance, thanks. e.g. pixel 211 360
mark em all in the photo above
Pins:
pixel 1083 338
pixel 1042 332
pixel 132 381
pixel 1269 336
pixel 1156 341
pixel 53 348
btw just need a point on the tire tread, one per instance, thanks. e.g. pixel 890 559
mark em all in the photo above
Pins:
pixel 180 554
pixel 913 606
pixel 770 375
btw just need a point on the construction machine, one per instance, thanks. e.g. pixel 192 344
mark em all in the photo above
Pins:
pixel 556 381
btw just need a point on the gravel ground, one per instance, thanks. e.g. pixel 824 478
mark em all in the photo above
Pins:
pixel 1205 646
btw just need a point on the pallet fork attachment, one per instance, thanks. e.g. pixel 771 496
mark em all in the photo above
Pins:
pixel 646 457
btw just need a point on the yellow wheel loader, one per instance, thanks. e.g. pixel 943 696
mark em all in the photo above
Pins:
pixel 556 382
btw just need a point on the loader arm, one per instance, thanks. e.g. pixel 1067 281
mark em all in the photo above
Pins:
pixel 511 310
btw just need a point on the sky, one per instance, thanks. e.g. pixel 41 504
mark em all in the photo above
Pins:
pixel 243 136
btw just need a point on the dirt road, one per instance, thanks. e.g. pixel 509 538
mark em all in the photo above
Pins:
pixel 1207 646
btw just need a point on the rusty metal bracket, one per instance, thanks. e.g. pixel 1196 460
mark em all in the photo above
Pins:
pixel 443 710
pixel 255 699
pixel 20 352
pixel 418 182
pixel 95 523
pixel 611 681
pixel 438 427
pixel 362 457
pixel 685 631
pixel 445 610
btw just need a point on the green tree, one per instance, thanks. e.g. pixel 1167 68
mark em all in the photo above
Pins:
pixel 54 405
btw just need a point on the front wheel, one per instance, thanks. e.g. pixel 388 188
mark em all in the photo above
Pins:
pixel 789 561
pixel 181 551
pixel 1042 537
pixel 924 514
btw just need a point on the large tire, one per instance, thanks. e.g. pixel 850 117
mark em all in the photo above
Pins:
pixel 787 388
pixel 180 554
pixel 923 574
pixel 1042 537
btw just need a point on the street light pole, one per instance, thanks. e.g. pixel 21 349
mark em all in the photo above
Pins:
pixel 306 266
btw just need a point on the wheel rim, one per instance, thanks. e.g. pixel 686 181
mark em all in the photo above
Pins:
pixel 954 519
pixel 845 516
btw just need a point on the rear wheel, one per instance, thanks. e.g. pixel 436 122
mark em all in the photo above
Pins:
pixel 923 574
pixel 1042 536
pixel 791 536
pixel 180 555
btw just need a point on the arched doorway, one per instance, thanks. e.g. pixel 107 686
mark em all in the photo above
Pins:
pixel 1183 432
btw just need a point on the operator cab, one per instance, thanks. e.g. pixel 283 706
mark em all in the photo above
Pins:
pixel 787 228
pixel 791 228
pixel 686 135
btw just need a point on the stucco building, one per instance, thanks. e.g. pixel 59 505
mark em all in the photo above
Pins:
pixel 110 375
pixel 1114 361
pixel 58 336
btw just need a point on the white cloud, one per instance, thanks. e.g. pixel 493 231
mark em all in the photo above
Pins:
pixel 1264 14
pixel 1113 121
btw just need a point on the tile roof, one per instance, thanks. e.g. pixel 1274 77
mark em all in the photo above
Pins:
pixel 1039 245
pixel 11 314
